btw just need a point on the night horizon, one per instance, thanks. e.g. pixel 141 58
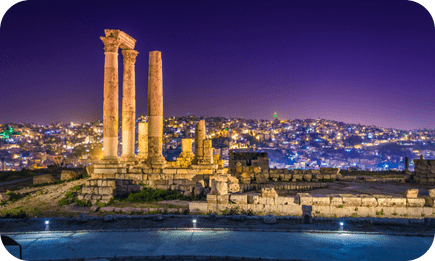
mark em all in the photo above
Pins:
pixel 365 62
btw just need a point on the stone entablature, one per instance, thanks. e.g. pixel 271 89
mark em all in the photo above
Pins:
pixel 424 171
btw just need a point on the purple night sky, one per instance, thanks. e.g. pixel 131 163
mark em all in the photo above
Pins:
pixel 368 62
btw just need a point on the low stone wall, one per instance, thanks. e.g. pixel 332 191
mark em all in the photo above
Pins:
pixel 283 186
pixel 130 210
pixel 249 174
pixel 46 178
pixel 320 206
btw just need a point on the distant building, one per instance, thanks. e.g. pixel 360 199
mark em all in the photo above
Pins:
pixel 248 159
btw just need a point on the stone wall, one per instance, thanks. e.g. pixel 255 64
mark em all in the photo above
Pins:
pixel 248 159
pixel 259 176
pixel 46 178
pixel 338 205
pixel 424 171
pixel 283 186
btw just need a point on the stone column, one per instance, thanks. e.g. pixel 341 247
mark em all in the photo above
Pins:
pixel 155 110
pixel 208 152
pixel 110 105
pixel 199 141
pixel 406 164
pixel 143 140
pixel 128 105
pixel 186 148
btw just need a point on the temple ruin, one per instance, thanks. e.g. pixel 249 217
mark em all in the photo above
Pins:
pixel 192 173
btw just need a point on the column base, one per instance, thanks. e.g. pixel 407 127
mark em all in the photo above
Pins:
pixel 109 160
pixel 127 158
pixel 158 162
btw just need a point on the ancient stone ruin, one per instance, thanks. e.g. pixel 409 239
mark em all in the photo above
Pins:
pixel 424 171
pixel 192 174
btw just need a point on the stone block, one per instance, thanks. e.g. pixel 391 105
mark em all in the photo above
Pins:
pixel 335 201
pixel 68 174
pixel 297 176
pixel 432 193
pixel 253 198
pixel 268 193
pixel 106 191
pixel 270 201
pixel 305 199
pixel 222 199
pixel 198 207
pixel 384 202
pixel 89 190
pixel 321 201
pixel 239 198
pixel 398 202
pixel 429 201
pixel 369 202
pixel 415 202
pixel 411 193
pixel 352 201
pixel 169 171
pixel 308 177
pixel 211 198
pixel 326 176
pixel 105 171
pixel 40 179
pixel 262 201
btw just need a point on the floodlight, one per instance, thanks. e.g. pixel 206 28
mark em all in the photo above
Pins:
pixel 194 221
pixel 341 223
pixel 46 222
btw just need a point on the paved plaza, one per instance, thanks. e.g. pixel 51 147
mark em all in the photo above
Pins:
pixel 280 245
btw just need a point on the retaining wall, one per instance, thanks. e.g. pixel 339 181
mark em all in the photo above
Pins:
pixel 327 206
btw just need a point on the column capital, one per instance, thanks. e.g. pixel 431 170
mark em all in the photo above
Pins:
pixel 129 56
pixel 111 44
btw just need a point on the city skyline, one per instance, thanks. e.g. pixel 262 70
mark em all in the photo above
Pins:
pixel 348 62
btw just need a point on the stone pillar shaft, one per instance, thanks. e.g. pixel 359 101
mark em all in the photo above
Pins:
pixel 199 140
pixel 110 104
pixel 155 108
pixel 128 105
pixel 143 140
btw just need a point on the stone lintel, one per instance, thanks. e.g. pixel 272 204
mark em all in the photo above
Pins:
pixel 127 42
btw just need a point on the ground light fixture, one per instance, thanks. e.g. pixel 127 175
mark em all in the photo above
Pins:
pixel 194 223
pixel 47 225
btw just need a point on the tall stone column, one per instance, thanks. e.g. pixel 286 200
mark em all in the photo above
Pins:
pixel 199 141
pixel 110 105
pixel 128 105
pixel 155 110
pixel 143 140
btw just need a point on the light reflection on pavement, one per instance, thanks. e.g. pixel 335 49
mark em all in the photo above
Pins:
pixel 280 245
